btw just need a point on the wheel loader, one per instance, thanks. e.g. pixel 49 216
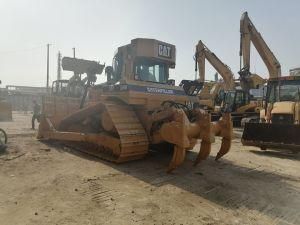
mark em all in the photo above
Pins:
pixel 279 126
pixel 137 109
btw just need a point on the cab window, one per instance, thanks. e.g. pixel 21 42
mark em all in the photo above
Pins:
pixel 239 98
pixel 150 70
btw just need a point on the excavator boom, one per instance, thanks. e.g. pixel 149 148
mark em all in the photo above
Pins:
pixel 210 94
pixel 250 34
pixel 202 53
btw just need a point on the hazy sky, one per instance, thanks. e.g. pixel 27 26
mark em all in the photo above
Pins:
pixel 97 28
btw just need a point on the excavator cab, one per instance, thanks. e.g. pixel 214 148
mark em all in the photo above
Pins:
pixel 242 105
pixel 233 100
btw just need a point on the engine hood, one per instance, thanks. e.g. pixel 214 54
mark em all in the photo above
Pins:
pixel 283 108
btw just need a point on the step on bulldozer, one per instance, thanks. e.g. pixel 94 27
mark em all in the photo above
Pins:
pixel 136 109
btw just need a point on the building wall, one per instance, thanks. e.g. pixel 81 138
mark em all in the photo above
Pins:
pixel 21 97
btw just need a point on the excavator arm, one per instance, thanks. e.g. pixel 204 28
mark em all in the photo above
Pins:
pixel 202 53
pixel 250 34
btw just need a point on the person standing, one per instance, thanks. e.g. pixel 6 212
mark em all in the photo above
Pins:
pixel 36 113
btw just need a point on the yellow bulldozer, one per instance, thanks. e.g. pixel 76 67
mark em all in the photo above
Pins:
pixel 137 109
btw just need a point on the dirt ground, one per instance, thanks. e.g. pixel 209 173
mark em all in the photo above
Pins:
pixel 43 183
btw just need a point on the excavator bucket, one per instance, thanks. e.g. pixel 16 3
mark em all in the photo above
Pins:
pixel 268 135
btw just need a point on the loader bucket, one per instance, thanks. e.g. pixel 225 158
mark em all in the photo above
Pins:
pixel 268 135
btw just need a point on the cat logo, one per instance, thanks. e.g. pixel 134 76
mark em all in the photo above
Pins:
pixel 164 51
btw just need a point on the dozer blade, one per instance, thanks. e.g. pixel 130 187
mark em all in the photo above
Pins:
pixel 277 136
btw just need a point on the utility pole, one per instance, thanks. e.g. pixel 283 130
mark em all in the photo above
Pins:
pixel 74 58
pixel 47 86
pixel 59 66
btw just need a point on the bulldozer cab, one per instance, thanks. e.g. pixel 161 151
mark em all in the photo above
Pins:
pixel 139 75
pixel 146 63
pixel 143 61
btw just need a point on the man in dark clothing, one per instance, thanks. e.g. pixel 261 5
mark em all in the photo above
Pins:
pixel 36 113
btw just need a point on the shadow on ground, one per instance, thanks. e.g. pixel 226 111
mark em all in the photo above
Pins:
pixel 225 183
pixel 284 154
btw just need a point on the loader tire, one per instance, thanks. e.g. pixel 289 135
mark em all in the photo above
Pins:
pixel 3 138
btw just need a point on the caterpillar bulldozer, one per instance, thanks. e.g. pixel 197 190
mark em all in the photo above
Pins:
pixel 137 109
